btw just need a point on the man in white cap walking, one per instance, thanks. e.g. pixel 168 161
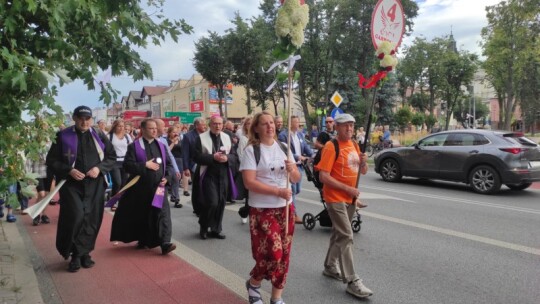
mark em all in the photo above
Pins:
pixel 339 174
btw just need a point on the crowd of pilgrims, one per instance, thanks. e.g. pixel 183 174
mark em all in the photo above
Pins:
pixel 159 161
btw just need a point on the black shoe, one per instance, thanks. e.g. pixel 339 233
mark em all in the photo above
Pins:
pixel 186 193
pixel 203 233
pixel 140 246
pixel 167 248
pixel 75 264
pixel 178 205
pixel 35 221
pixel 216 235
pixel 87 262
pixel 45 219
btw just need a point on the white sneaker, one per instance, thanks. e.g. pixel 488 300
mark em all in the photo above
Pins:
pixel 357 289
pixel 334 274
pixel 244 220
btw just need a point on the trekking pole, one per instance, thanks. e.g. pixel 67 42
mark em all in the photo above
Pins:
pixel 289 93
pixel 364 144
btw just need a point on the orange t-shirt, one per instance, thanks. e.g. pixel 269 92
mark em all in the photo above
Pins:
pixel 344 169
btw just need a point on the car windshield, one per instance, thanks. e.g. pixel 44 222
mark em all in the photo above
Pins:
pixel 518 138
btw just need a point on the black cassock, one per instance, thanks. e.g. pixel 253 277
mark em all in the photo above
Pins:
pixel 135 218
pixel 215 184
pixel 81 207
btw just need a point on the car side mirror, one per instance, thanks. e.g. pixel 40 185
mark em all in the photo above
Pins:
pixel 416 146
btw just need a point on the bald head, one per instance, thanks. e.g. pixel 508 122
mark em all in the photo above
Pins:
pixel 160 126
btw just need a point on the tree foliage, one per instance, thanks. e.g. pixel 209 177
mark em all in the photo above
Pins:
pixel 212 61
pixel 510 44
pixel 403 117
pixel 45 44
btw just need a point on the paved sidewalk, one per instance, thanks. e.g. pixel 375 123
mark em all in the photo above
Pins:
pixel 122 274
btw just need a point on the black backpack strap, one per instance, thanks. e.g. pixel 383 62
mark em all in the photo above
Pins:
pixel 127 139
pixel 283 148
pixel 336 147
pixel 110 137
pixel 257 153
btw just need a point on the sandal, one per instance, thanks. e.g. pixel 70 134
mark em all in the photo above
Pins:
pixel 257 299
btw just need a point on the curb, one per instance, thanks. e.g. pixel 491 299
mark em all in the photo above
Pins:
pixel 18 281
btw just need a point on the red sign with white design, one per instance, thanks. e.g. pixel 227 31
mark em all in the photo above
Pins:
pixel 387 23
pixel 197 106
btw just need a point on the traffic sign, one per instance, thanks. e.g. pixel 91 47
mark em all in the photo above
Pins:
pixel 336 99
pixel 185 117
pixel 335 112
pixel 387 23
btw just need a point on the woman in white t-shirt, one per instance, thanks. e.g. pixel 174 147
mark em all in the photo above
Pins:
pixel 265 176
pixel 120 141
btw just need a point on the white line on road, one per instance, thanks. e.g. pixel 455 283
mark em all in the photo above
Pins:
pixel 450 232
pixel 222 275
pixel 458 200
pixel 371 195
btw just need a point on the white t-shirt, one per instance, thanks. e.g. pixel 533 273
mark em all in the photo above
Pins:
pixel 270 171
pixel 120 146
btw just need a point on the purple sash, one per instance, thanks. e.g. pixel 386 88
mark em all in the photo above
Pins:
pixel 68 136
pixel 141 157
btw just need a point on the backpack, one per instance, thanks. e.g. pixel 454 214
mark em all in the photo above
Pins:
pixel 244 210
pixel 257 151
pixel 317 159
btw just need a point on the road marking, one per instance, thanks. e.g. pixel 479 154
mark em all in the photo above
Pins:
pixel 458 200
pixel 371 195
pixel 449 232
pixel 217 272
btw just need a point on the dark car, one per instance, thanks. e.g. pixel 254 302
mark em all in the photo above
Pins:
pixel 484 159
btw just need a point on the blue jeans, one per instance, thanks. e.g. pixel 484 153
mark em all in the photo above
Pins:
pixel 297 186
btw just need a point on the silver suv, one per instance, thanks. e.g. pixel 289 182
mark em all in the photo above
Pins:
pixel 484 159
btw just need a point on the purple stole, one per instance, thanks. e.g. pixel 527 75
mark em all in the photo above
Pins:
pixel 140 155
pixel 68 136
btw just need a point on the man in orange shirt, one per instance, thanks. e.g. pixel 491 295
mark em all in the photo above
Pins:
pixel 339 175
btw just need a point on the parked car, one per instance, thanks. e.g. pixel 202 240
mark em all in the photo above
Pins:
pixel 484 159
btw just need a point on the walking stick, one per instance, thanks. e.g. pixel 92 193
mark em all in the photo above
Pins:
pixel 364 144
pixel 289 93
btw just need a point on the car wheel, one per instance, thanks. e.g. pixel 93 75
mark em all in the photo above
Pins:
pixel 390 171
pixel 485 180
pixel 517 187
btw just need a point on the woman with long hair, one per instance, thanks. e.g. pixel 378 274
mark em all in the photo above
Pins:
pixel 266 164
pixel 242 143
pixel 120 140
pixel 173 139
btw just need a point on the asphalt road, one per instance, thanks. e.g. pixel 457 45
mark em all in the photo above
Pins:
pixel 420 242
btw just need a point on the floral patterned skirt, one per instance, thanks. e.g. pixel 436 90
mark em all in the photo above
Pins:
pixel 270 246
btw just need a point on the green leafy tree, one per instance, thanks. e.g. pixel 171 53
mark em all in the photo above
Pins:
pixel 248 51
pixel 212 61
pixel 403 117
pixel 431 120
pixel 418 119
pixel 45 44
pixel 508 41
pixel 457 70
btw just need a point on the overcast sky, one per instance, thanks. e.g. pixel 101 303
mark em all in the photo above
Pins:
pixel 172 61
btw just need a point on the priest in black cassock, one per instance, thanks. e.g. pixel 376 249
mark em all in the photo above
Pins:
pixel 82 157
pixel 143 212
pixel 215 158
